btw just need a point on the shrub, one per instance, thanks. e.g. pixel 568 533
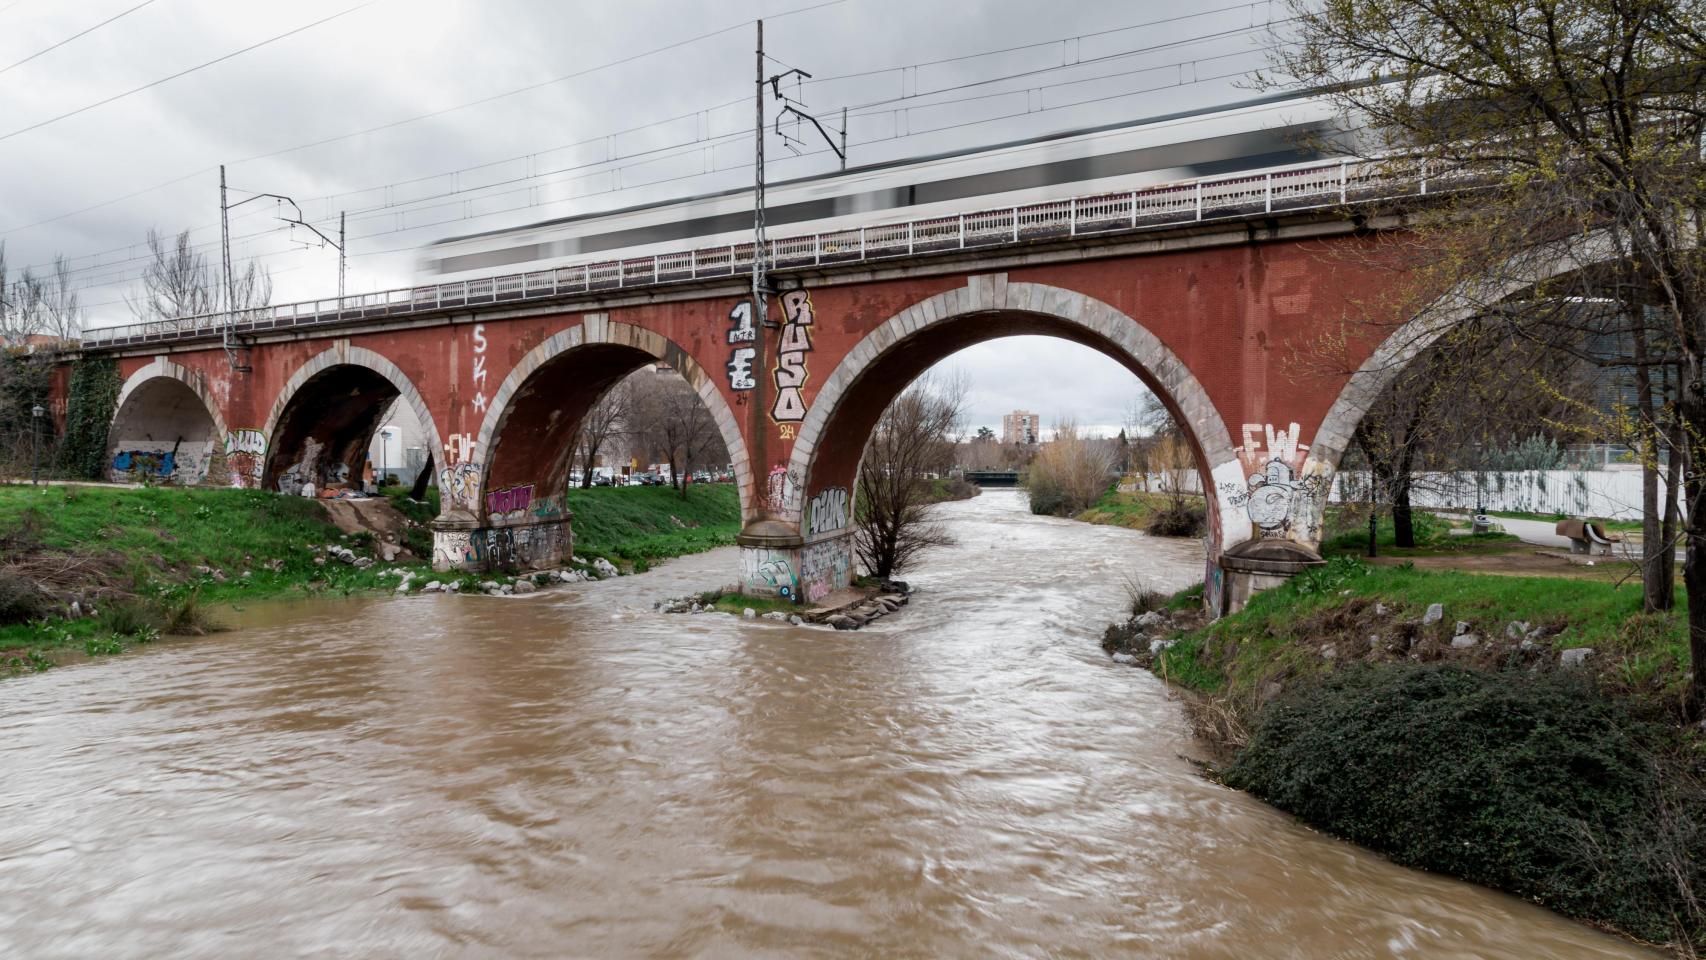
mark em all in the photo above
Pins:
pixel 1069 473
pixel 1179 518
pixel 1536 784
pixel 21 600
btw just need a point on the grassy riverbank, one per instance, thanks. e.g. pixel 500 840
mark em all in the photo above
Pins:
pixel 1527 737
pixel 1154 513
pixel 635 527
pixel 151 561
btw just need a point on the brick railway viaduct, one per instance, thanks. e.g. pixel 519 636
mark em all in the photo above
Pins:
pixel 1206 291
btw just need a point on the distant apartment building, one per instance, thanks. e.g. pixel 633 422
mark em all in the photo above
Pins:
pixel 1021 426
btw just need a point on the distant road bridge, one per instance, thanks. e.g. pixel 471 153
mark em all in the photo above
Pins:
pixel 1202 289
pixel 993 478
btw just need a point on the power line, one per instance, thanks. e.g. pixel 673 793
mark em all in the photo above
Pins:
pixel 202 66
pixel 689 147
pixel 122 13
pixel 387 126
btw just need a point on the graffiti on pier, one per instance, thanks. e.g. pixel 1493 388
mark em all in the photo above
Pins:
pixel 535 545
pixel 459 476
pixel 768 572
pixel 155 464
pixel 302 474
pixel 782 491
pixel 1277 501
pixel 454 549
pixel 791 374
pixel 828 512
pixel 826 567
pixel 1281 444
pixel 245 457
pixel 477 376
pixel 511 503
pixel 741 358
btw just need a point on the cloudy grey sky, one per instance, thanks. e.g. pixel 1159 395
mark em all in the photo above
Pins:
pixel 429 118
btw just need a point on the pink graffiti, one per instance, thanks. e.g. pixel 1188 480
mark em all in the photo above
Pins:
pixel 510 499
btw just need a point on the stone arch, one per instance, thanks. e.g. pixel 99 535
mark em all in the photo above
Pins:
pixel 566 373
pixel 1416 335
pixel 295 434
pixel 831 437
pixel 1096 324
pixel 166 423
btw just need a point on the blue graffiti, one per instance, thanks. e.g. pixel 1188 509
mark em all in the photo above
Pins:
pixel 155 463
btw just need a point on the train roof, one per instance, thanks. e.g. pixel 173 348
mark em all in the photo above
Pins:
pixel 888 165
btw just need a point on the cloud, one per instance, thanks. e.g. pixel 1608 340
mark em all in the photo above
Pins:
pixel 402 58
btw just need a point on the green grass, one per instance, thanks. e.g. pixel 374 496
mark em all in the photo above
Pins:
pixel 1278 633
pixel 633 526
pixel 737 603
pixel 1347 533
pixel 1133 511
pixel 152 560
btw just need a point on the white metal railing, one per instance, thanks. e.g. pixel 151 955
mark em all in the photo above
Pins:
pixel 1283 188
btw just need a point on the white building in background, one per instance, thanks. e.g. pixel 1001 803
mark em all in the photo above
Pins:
pixel 1021 426
pixel 400 444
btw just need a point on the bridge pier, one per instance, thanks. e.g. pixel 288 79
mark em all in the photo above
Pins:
pixel 775 561
pixel 1256 565
pixel 536 545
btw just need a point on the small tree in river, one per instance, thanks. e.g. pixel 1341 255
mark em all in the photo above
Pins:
pixel 912 444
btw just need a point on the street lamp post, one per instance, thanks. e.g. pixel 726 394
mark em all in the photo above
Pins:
pixel 35 445
pixel 385 434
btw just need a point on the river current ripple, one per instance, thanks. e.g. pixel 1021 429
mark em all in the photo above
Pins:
pixel 571 774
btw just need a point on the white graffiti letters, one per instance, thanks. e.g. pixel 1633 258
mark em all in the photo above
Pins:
pixel 741 358
pixel 478 377
pixel 791 373
pixel 828 511
pixel 1282 444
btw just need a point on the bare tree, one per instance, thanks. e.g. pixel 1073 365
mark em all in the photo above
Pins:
pixel 671 419
pixel 179 283
pixel 913 441
pixel 62 317
pixel 1070 473
pixel 602 424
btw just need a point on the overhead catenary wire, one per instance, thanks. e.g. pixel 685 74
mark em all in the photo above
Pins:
pixel 185 72
pixel 414 119
pixel 83 33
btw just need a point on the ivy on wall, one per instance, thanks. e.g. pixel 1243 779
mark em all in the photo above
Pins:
pixel 25 380
pixel 91 399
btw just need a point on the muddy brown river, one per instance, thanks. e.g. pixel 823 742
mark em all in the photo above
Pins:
pixel 572 775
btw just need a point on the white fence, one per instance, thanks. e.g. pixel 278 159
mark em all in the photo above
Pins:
pixel 1610 494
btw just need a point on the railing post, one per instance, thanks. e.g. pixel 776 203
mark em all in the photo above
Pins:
pixel 621 271
pixel 1424 176
pixel 962 231
pixel 693 264
pixel 732 259
pixel 817 249
pixel 1134 209
pixel 909 226
pixel 861 243
pixel 1199 200
pixel 1015 224
pixel 1268 194
pixel 1342 177
pixel 1072 217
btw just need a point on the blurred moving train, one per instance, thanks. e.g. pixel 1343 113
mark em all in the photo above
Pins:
pixel 1259 134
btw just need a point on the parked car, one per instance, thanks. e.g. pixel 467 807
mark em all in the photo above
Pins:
pixel 602 480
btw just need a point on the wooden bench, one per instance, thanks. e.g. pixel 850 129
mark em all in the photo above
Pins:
pixel 1585 536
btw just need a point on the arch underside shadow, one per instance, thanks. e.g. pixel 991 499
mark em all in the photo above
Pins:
pixel 165 428
pixel 322 436
pixel 823 470
pixel 324 418
pixel 506 510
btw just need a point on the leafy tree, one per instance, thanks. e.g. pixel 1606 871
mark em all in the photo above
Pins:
pixel 1579 124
